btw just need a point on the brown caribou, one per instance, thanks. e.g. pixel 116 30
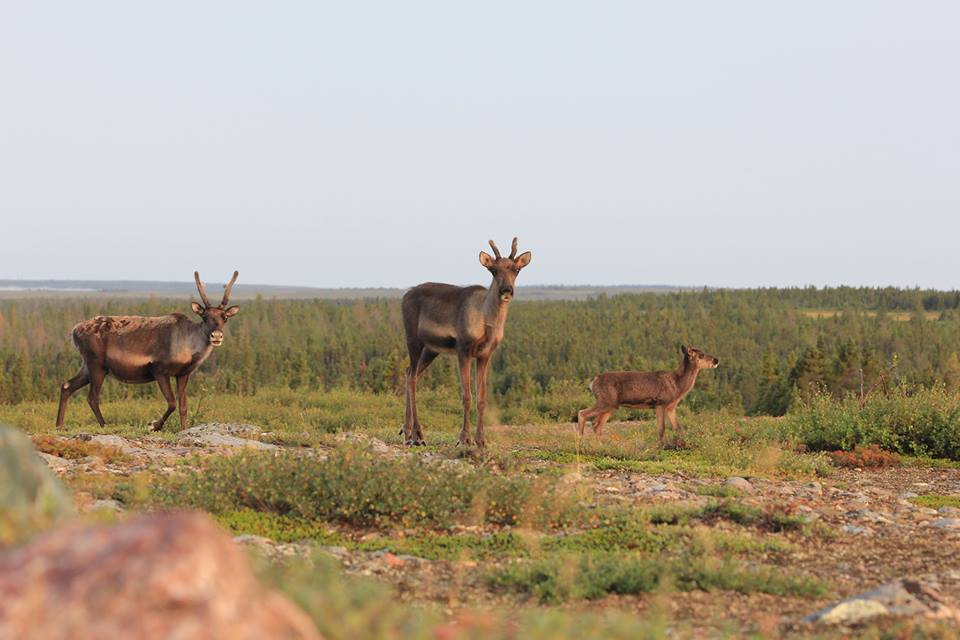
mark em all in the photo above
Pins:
pixel 659 390
pixel 466 321
pixel 138 350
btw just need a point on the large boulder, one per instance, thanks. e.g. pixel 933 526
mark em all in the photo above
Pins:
pixel 31 498
pixel 167 575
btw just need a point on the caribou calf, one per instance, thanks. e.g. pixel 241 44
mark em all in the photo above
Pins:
pixel 659 390
pixel 138 350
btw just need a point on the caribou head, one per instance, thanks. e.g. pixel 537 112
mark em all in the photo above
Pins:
pixel 214 318
pixel 505 270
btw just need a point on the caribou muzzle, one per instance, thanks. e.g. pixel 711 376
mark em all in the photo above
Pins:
pixel 506 293
pixel 216 338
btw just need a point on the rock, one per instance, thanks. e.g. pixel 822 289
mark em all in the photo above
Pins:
pixel 869 516
pixel 55 463
pixel 221 428
pixel 375 444
pixel 110 440
pixel 110 505
pixel 172 575
pixel 946 523
pixel 31 498
pixel 741 484
pixel 899 598
pixel 808 514
pixel 117 442
pixel 813 487
pixel 855 530
pixel 948 511
pixel 273 550
pixel 216 434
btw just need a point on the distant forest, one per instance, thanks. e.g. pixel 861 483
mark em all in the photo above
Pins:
pixel 775 345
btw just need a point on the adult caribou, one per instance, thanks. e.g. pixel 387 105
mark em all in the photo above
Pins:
pixel 466 321
pixel 138 350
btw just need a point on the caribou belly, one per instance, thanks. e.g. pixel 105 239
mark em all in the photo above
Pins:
pixel 133 368
pixel 437 337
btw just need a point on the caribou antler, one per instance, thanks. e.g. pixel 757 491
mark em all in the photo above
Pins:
pixel 513 251
pixel 493 246
pixel 228 288
pixel 202 289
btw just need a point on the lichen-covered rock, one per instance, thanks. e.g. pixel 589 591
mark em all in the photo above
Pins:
pixel 168 575
pixel 909 598
pixel 216 434
pixel 31 498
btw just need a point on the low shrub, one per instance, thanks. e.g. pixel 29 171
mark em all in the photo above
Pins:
pixel 870 457
pixel 358 487
pixel 73 449
pixel 555 579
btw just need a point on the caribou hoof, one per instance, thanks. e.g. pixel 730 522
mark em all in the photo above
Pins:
pixel 156 426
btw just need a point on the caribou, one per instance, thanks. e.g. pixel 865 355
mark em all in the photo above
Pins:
pixel 138 350
pixel 465 321
pixel 658 390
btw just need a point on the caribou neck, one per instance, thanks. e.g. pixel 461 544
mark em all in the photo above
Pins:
pixel 494 308
pixel 686 375
pixel 200 335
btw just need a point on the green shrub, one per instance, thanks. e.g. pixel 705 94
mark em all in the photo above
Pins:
pixel 559 578
pixel 359 487
pixel 935 501
pixel 910 421
pixel 356 608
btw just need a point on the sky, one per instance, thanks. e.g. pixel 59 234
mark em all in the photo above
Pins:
pixel 345 144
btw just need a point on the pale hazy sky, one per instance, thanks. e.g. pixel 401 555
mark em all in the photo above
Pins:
pixel 382 143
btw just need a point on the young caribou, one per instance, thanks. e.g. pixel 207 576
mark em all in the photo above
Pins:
pixel 659 390
pixel 466 321
pixel 137 350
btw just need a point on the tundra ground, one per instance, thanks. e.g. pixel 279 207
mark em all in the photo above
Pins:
pixel 541 535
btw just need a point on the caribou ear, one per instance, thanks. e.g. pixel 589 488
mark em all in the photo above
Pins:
pixel 197 308
pixel 231 311
pixel 486 259
pixel 523 260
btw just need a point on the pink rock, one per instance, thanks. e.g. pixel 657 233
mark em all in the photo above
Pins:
pixel 170 575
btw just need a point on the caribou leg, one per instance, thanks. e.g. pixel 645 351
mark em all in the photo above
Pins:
pixel 68 389
pixel 164 383
pixel 407 430
pixel 426 357
pixel 660 425
pixel 97 377
pixel 482 369
pixel 466 394
pixel 677 428
pixel 182 399
pixel 600 421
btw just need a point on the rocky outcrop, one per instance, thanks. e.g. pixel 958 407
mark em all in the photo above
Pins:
pixel 173 575
pixel 31 498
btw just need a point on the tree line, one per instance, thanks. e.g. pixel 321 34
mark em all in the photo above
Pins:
pixel 776 346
